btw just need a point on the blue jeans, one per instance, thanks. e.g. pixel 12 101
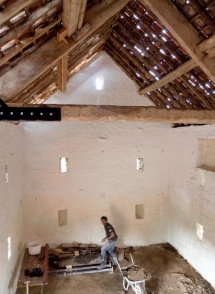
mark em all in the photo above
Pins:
pixel 109 246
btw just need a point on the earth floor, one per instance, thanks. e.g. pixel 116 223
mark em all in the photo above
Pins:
pixel 170 274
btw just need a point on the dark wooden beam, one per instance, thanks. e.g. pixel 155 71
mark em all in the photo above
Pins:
pixel 131 113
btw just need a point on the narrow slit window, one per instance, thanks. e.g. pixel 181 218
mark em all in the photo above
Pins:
pixel 63 165
pixel 139 211
pixel 140 164
pixel 99 83
pixel 199 231
pixel 9 248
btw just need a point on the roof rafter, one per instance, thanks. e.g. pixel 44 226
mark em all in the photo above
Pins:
pixel 187 66
pixel 183 32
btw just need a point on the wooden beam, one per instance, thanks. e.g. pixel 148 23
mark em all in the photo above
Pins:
pixel 34 66
pixel 73 15
pixel 71 10
pixel 207 44
pixel 131 113
pixel 12 9
pixel 178 72
pixel 81 14
pixel 62 67
pixel 208 47
pixel 180 28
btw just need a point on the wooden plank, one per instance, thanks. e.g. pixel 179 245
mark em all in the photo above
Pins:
pixel 34 66
pixel 131 113
pixel 180 28
pixel 189 65
pixel 70 245
pixel 45 266
pixel 62 67
pixel 13 8
pixel 56 251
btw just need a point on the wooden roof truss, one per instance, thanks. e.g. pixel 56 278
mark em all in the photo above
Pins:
pixel 169 53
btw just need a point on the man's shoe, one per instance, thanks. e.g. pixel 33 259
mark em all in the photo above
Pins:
pixel 101 266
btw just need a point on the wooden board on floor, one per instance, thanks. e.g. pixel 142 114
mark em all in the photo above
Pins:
pixel 30 262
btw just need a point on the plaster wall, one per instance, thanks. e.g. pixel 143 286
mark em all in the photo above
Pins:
pixel 192 196
pixel 11 205
pixel 118 88
pixel 101 180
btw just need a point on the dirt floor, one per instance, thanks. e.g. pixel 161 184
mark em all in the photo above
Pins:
pixel 171 274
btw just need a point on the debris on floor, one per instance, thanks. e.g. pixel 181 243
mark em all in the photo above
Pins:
pixel 170 274
pixel 79 253
pixel 74 249
pixel 136 273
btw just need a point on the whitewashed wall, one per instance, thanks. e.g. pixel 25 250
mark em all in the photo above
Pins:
pixel 11 204
pixel 192 193
pixel 118 88
pixel 102 180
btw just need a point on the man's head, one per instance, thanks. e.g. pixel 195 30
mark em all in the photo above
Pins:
pixel 104 220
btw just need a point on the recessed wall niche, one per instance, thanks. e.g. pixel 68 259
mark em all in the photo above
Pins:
pixel 206 158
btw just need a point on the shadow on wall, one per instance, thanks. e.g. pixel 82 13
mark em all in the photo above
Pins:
pixel 15 273
pixel 119 222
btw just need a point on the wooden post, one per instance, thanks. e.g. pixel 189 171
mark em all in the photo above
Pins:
pixel 46 257
pixel 62 66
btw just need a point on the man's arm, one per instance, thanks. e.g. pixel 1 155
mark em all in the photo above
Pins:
pixel 110 237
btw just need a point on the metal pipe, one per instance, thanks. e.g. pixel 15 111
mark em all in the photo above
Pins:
pixel 27 286
pixel 83 270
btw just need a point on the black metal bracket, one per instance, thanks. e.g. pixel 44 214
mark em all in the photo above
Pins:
pixel 3 104
pixel 29 113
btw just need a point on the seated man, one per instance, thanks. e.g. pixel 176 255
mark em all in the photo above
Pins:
pixel 111 237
